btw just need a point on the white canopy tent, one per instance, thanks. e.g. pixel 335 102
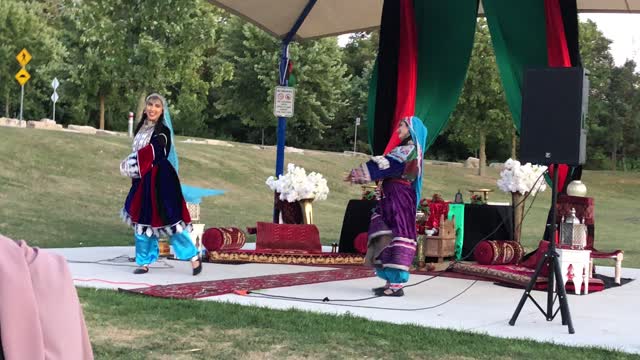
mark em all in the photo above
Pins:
pixel 309 19
pixel 335 17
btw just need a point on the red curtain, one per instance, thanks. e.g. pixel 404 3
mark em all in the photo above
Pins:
pixel 407 70
pixel 558 56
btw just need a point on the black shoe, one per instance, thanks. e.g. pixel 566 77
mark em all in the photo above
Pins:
pixel 391 292
pixel 197 270
pixel 141 270
pixel 379 290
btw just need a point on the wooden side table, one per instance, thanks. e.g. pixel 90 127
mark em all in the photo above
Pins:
pixel 575 265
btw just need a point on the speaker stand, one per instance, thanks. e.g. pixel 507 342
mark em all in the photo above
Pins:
pixel 550 257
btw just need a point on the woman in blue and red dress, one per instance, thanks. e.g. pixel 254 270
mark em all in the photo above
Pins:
pixel 155 205
pixel 392 230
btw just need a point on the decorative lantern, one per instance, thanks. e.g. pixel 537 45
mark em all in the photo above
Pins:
pixel 458 198
pixel 573 234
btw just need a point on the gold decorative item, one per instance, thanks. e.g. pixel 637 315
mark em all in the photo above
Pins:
pixel 307 210
pixel 485 193
pixel 577 188
pixel 420 252
pixel 163 248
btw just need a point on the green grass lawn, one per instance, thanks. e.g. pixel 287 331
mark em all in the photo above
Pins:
pixel 136 327
pixel 64 190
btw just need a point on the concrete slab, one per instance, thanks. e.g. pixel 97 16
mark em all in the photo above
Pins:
pixel 607 319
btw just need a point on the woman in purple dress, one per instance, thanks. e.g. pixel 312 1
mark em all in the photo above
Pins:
pixel 392 231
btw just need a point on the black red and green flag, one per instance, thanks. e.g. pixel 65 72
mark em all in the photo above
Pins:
pixel 425 48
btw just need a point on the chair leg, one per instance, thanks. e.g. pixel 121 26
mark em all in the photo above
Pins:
pixel 619 267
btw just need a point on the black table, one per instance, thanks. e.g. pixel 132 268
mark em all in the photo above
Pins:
pixel 356 221
pixel 481 222
pixel 485 222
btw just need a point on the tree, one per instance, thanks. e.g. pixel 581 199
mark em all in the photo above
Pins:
pixel 22 28
pixel 131 48
pixel 359 56
pixel 247 97
pixel 620 119
pixel 596 58
pixel 482 110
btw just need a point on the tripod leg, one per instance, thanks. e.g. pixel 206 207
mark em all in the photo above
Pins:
pixel 528 289
pixel 562 296
pixel 550 289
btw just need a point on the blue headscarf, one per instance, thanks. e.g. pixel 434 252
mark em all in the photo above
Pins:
pixel 419 136
pixel 191 194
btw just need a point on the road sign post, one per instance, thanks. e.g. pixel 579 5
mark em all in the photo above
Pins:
pixel 54 97
pixel 23 76
pixel 355 135
pixel 130 123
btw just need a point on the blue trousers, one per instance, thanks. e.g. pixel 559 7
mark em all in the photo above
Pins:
pixel 393 276
pixel 147 247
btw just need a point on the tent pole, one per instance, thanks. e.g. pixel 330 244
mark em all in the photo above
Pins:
pixel 282 81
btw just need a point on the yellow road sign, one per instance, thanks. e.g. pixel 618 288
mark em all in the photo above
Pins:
pixel 23 76
pixel 23 57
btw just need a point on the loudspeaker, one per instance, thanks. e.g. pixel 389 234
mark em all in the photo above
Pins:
pixel 554 109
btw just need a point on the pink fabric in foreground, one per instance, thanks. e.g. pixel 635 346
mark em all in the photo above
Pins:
pixel 40 315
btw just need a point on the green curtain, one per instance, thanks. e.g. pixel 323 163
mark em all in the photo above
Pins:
pixel 518 33
pixel 457 210
pixel 446 31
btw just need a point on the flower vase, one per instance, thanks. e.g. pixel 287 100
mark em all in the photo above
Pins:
pixel 306 205
pixel 517 203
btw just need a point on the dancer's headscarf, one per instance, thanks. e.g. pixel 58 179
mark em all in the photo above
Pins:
pixel 191 194
pixel 166 120
pixel 418 133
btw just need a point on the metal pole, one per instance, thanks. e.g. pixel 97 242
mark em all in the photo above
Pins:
pixel 21 100
pixel 282 121
pixel 355 136
pixel 284 62
pixel 54 111
pixel 130 127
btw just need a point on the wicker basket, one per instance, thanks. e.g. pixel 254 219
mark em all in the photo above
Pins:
pixel 194 211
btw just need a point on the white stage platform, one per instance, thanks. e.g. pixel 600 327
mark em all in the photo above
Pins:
pixel 605 319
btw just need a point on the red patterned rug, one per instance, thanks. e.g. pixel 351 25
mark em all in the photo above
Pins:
pixel 519 276
pixel 220 287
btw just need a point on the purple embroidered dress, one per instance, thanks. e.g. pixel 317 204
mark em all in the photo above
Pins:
pixel 395 216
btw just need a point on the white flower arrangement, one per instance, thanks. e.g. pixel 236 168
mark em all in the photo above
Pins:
pixel 522 178
pixel 295 185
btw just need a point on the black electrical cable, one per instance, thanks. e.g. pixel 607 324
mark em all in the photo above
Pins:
pixel 327 300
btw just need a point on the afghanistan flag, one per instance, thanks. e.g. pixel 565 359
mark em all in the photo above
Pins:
pixel 424 52
pixel 423 55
